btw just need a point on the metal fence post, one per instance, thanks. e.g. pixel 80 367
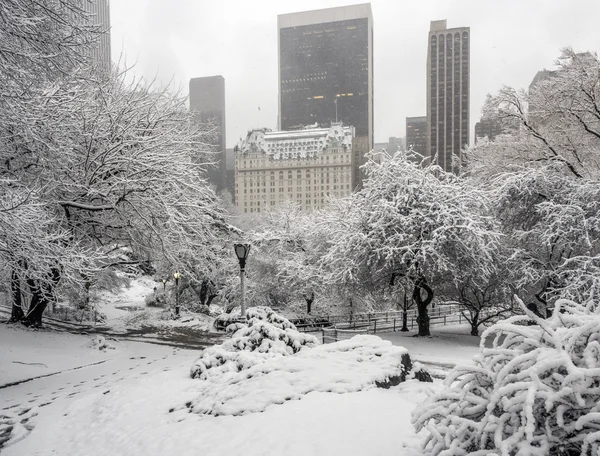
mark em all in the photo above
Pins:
pixel 323 334
pixel 394 325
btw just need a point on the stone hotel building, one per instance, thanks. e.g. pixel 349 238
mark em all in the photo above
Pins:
pixel 306 166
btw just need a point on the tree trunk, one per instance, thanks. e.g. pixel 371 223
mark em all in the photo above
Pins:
pixel 16 314
pixel 309 301
pixel 404 321
pixel 422 304
pixel 42 295
pixel 405 315
pixel 475 324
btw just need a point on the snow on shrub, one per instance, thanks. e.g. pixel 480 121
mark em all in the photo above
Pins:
pixel 536 392
pixel 357 364
pixel 264 336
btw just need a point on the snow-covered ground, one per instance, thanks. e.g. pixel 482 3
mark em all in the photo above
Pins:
pixel 122 405
pixel 95 395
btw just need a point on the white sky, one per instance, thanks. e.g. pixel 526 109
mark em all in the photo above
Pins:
pixel 175 40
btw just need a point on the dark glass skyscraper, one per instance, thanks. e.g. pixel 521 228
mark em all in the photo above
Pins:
pixel 448 92
pixel 326 72
pixel 416 134
pixel 207 100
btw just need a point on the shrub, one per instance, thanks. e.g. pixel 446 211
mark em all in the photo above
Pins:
pixel 535 392
pixel 265 335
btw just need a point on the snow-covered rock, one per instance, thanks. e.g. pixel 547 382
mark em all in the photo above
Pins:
pixel 348 366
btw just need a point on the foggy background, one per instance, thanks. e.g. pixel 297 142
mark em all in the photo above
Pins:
pixel 175 40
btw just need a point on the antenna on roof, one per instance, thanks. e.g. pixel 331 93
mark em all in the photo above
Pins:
pixel 335 101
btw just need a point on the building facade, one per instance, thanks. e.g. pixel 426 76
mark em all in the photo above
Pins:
pixel 304 166
pixel 448 93
pixel 487 128
pixel 416 135
pixel 99 15
pixel 207 101
pixel 326 72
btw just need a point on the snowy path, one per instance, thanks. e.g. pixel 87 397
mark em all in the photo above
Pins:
pixel 65 384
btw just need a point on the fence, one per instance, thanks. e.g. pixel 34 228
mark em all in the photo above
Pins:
pixel 382 321
pixel 346 330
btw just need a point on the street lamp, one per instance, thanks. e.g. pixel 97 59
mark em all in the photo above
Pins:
pixel 176 276
pixel 242 251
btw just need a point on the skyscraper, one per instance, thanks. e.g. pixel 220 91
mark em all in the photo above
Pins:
pixel 416 135
pixel 326 72
pixel 207 100
pixel 99 13
pixel 448 92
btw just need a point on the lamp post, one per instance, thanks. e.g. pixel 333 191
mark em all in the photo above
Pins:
pixel 242 251
pixel 176 276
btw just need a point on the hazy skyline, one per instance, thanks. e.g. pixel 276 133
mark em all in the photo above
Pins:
pixel 510 41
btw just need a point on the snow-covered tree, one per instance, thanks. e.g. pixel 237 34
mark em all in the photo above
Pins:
pixel 120 166
pixel 559 122
pixel 413 224
pixel 534 392
pixel 552 226
pixel 41 40
pixel 288 249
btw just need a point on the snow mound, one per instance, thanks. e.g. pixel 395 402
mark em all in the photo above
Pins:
pixel 353 365
pixel 100 343
pixel 265 335
pixel 535 392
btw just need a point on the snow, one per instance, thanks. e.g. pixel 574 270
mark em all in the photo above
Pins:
pixel 28 353
pixel 448 345
pixel 134 402
pixel 126 412
pixel 118 307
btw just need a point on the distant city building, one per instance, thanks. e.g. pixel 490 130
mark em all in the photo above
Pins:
pixel 207 100
pixel 395 144
pixel 99 14
pixel 416 135
pixel 326 72
pixel 448 92
pixel 487 128
pixel 306 166
pixel 230 173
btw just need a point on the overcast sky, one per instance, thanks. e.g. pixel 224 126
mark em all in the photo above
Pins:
pixel 175 40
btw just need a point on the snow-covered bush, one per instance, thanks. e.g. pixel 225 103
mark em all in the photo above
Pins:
pixel 535 392
pixel 264 336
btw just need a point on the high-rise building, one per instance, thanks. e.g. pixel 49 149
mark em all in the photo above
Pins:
pixel 487 128
pixel 448 92
pixel 99 15
pixel 326 72
pixel 230 172
pixel 304 166
pixel 207 100
pixel 416 135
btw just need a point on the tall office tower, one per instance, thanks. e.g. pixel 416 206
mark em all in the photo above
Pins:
pixel 416 134
pixel 448 92
pixel 99 14
pixel 207 100
pixel 326 73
